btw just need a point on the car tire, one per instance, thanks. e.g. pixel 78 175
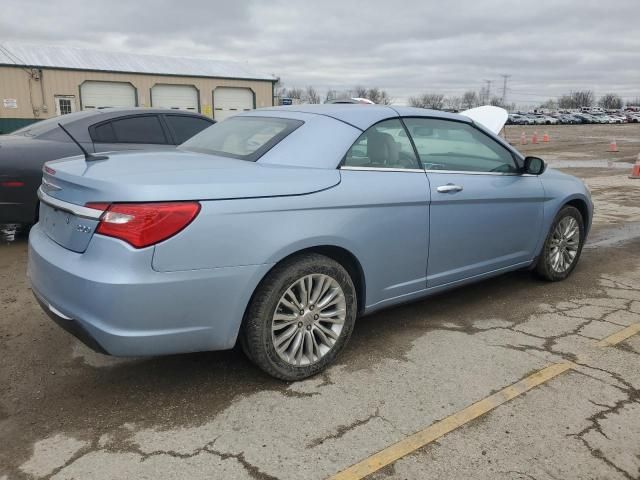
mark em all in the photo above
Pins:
pixel 561 250
pixel 293 345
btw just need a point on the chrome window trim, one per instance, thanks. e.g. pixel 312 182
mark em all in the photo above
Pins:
pixel 381 169
pixel 77 210
pixel 469 172
pixel 419 170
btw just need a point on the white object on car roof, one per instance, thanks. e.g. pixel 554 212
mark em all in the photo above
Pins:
pixel 490 117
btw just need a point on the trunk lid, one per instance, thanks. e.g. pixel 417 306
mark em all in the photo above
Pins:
pixel 66 228
pixel 155 176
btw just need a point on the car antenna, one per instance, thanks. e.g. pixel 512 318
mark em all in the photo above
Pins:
pixel 88 157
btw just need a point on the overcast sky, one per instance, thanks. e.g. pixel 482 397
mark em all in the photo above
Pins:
pixel 406 47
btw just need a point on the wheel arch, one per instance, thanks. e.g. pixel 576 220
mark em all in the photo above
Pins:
pixel 339 254
pixel 581 206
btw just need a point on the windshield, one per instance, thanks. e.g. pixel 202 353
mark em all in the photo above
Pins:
pixel 245 138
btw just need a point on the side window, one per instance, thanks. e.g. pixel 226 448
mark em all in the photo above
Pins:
pixel 140 129
pixel 457 146
pixel 384 145
pixel 184 127
pixel 103 133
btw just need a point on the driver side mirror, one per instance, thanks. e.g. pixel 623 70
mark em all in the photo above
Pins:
pixel 534 165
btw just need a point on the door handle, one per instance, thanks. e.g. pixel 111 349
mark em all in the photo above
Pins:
pixel 449 188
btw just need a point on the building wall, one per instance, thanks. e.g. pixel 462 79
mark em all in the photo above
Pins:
pixel 14 84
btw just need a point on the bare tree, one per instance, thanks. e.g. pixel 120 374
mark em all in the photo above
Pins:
pixel 583 98
pixel 360 92
pixel 375 94
pixel 550 104
pixel 566 101
pixel 434 101
pixel 577 99
pixel 384 99
pixel 295 93
pixel 453 103
pixel 496 101
pixel 469 99
pixel 311 95
pixel 610 101
pixel 331 95
pixel 379 96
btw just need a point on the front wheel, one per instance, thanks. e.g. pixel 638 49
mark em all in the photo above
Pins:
pixel 563 245
pixel 300 317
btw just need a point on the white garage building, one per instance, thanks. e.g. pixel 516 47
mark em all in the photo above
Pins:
pixel 42 81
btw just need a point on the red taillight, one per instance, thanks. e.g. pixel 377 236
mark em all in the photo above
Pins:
pixel 144 224
pixel 12 184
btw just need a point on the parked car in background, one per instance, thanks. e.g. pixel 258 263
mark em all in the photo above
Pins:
pixel 516 119
pixel 539 119
pixel 618 117
pixel 24 152
pixel 278 227
pixel 632 117
pixel 586 118
pixel 549 120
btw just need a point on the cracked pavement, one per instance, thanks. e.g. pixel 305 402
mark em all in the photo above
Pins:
pixel 68 413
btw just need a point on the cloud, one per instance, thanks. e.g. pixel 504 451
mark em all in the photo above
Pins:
pixel 406 47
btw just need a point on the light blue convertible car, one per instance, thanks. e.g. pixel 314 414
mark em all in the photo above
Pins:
pixel 279 227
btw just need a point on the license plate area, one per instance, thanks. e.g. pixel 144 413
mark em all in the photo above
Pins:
pixel 66 229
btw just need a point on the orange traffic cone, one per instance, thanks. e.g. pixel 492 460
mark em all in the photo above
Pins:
pixel 534 138
pixel 523 139
pixel 545 138
pixel 613 146
pixel 635 170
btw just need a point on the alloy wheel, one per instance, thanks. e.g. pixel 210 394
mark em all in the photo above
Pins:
pixel 308 319
pixel 564 245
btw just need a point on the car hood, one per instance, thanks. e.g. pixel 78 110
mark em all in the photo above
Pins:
pixel 178 175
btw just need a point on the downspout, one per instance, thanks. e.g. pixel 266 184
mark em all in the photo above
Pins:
pixel 45 109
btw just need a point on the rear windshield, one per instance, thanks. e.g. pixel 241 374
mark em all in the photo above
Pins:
pixel 45 126
pixel 245 138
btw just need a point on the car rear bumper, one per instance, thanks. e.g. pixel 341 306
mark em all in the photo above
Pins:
pixel 112 300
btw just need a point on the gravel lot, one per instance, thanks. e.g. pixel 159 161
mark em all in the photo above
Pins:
pixel 68 413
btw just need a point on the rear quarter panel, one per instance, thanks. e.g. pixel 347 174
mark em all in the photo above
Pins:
pixel 380 217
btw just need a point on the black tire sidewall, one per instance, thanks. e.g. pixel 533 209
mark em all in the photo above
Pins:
pixel 544 268
pixel 257 339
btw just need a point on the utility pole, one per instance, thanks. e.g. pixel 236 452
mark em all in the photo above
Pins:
pixel 487 92
pixel 504 88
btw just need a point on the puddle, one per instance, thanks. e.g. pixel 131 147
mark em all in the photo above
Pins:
pixel 12 232
pixel 613 236
pixel 589 164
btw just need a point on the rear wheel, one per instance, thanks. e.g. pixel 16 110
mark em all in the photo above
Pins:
pixel 300 317
pixel 563 245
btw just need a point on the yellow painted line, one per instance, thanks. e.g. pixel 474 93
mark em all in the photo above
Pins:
pixel 419 439
pixel 620 336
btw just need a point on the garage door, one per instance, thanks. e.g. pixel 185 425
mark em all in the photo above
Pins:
pixel 177 97
pixel 228 101
pixel 107 94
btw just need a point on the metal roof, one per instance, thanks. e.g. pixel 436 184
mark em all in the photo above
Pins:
pixel 82 59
